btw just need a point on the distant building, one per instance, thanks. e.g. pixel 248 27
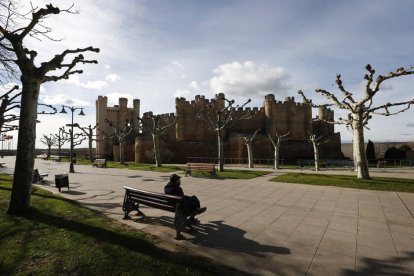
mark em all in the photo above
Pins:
pixel 191 137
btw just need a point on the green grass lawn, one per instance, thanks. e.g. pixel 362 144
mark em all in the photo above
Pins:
pixel 60 237
pixel 375 183
pixel 232 174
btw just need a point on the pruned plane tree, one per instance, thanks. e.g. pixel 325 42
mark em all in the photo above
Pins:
pixel 21 63
pixel 361 110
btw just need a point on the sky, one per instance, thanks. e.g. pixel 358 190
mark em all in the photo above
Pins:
pixel 156 50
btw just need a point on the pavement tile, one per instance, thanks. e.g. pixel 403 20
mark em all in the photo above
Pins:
pixel 306 229
pixel 380 240
pixel 252 228
pixel 371 261
pixel 404 242
pixel 296 263
pixel 343 223
pixel 331 263
pixel 272 236
pixel 336 245
pixel 372 225
pixel 344 236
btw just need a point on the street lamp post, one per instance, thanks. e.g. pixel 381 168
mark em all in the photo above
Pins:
pixel 72 109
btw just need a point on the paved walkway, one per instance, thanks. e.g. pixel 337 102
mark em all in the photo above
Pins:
pixel 267 228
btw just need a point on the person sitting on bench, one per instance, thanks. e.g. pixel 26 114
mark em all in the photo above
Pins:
pixel 191 203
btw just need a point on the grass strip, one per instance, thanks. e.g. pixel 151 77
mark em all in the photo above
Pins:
pixel 232 174
pixel 347 181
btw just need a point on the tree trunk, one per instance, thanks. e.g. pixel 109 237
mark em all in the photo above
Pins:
pixel 23 172
pixel 90 150
pixel 121 151
pixel 250 154
pixel 59 149
pixel 48 151
pixel 220 151
pixel 277 164
pixel 316 155
pixel 361 161
pixel 157 154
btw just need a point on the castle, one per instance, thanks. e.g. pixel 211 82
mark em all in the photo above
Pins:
pixel 191 137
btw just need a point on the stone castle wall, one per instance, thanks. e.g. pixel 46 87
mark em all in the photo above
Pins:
pixel 192 136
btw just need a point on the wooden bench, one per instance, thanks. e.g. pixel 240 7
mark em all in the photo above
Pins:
pixel 2 164
pixel 38 176
pixel 175 204
pixel 99 163
pixel 202 167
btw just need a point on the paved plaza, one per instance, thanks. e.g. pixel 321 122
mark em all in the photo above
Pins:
pixel 262 227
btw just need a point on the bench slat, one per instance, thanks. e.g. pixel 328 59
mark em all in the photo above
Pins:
pixel 151 199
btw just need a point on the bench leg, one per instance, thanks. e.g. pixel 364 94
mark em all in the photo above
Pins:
pixel 126 216
pixel 213 174
pixel 180 221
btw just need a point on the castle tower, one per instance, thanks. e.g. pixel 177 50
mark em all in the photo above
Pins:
pixel 117 114
pixel 270 110
pixel 101 106
pixel 326 114
pixel 136 109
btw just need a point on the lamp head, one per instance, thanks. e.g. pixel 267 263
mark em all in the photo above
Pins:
pixel 81 112
pixel 63 111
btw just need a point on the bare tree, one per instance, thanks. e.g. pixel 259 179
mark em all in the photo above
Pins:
pixel 222 117
pixel 248 141
pixel 32 74
pixel 158 127
pixel 120 133
pixel 11 101
pixel 48 141
pixel 317 141
pixel 77 138
pixel 277 140
pixel 60 139
pixel 361 111
pixel 8 102
pixel 88 131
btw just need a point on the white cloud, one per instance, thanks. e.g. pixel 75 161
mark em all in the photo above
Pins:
pixel 184 76
pixel 6 87
pixel 194 85
pixel 113 98
pixel 62 99
pixel 248 79
pixel 179 65
pixel 182 93
pixel 112 77
pixel 97 85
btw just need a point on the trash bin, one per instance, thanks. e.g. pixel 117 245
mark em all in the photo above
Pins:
pixel 62 180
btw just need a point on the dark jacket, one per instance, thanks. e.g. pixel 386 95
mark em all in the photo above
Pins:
pixel 173 189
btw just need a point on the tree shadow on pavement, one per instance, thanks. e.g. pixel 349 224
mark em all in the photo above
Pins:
pixel 218 235
pixel 390 266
